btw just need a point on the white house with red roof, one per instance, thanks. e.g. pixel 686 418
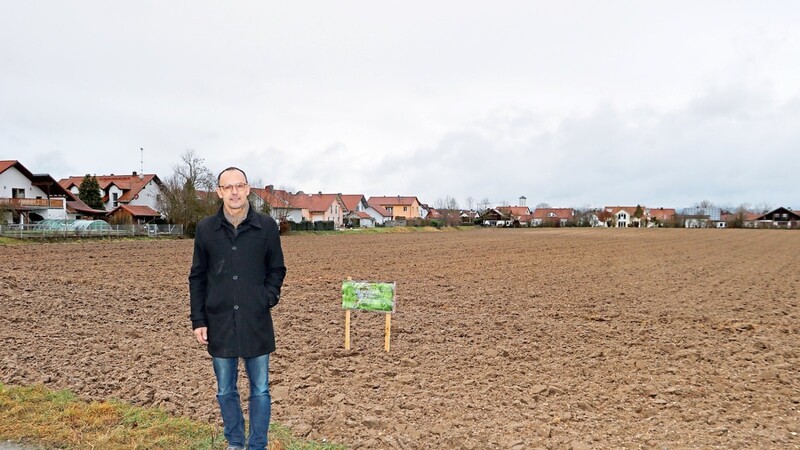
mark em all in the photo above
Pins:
pixel 133 190
pixel 378 213
pixel 27 197
pixel 368 214
pixel 280 204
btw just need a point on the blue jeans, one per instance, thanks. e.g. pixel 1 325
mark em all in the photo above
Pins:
pixel 227 372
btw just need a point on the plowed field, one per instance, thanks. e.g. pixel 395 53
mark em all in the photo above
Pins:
pixel 502 338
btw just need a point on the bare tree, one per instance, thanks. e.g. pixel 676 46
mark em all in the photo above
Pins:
pixel 483 205
pixel 470 202
pixel 543 205
pixel 188 193
pixel 762 208
pixel 704 204
pixel 448 207
pixel 738 217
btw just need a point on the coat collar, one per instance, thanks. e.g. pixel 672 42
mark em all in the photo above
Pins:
pixel 249 220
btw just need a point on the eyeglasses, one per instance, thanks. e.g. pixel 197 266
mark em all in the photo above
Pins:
pixel 231 187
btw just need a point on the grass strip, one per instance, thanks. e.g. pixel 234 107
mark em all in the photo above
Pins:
pixel 34 415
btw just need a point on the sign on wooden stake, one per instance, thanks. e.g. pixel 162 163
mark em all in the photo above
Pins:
pixel 368 296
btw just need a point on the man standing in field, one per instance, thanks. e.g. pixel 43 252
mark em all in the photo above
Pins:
pixel 235 280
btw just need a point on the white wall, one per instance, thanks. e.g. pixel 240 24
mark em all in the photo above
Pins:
pixel 109 205
pixel 292 215
pixel 375 215
pixel 13 178
pixel 148 196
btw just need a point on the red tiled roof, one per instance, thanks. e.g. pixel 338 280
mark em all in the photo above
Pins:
pixel 392 201
pixel 616 209
pixel 131 185
pixel 316 202
pixel 516 211
pixel 351 201
pixel 434 214
pixel 276 198
pixel 362 215
pixel 137 210
pixel 81 207
pixel 379 209
pixel 560 213
pixel 5 165
pixel 660 213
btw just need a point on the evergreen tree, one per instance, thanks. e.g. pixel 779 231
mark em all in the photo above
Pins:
pixel 89 192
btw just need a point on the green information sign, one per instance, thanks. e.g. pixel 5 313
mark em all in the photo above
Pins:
pixel 368 296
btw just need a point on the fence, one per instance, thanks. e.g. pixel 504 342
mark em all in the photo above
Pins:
pixel 33 231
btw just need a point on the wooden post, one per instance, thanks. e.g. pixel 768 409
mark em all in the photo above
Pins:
pixel 388 332
pixel 347 329
pixel 347 325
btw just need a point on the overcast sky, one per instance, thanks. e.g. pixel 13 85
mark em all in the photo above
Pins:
pixel 570 103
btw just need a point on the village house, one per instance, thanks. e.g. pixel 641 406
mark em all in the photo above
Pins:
pixel 780 218
pixel 703 217
pixel 141 190
pixel 493 217
pixel 27 197
pixel 280 204
pixel 132 215
pixel 468 217
pixel 659 217
pixel 554 217
pixel 321 207
pixel 400 207
pixel 357 213
pixel 517 215
pixel 621 216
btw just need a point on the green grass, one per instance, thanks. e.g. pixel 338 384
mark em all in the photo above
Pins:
pixel 7 241
pixel 34 415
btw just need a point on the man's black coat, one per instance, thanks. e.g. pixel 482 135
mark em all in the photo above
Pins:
pixel 235 280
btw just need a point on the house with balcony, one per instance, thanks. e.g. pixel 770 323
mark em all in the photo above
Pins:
pixel 133 190
pixel 399 207
pixel 27 197
pixel 520 216
pixel 495 218
pixel 780 218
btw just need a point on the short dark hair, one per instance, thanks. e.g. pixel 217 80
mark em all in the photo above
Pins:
pixel 219 177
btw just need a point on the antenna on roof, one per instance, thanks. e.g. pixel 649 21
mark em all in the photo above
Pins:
pixel 141 163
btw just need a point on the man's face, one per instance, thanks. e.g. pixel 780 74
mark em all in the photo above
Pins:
pixel 233 190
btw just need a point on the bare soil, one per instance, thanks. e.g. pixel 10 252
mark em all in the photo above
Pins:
pixel 502 338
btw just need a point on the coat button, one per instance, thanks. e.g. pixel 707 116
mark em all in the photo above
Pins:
pixel 236 307
pixel 236 277
pixel 233 248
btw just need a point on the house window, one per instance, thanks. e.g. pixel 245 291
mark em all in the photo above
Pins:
pixel 623 216
pixel 405 208
pixel 115 198
pixel 17 192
